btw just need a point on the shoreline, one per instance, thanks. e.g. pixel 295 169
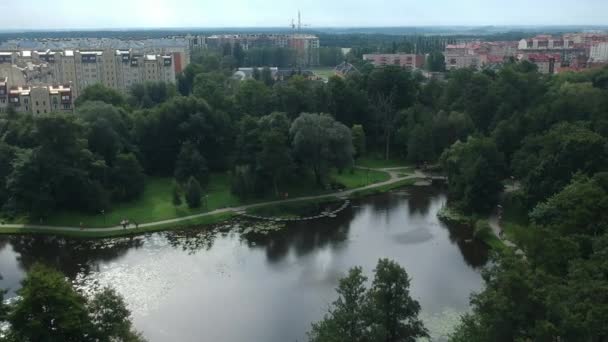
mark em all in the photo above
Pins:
pixel 207 218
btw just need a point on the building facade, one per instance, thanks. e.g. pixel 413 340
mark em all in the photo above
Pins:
pixel 117 69
pixel 35 99
pixel 599 52
pixel 459 56
pixel 404 60
pixel 547 63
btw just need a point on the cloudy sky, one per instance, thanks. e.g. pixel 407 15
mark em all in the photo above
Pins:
pixel 62 14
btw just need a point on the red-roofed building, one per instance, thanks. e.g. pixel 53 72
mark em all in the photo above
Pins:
pixel 547 63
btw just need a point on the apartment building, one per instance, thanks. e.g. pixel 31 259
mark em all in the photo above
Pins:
pixel 459 56
pixel 547 63
pixel 546 42
pixel 35 99
pixel 404 60
pixel 118 69
pixel 599 52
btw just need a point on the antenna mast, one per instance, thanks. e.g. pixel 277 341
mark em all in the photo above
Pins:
pixel 299 21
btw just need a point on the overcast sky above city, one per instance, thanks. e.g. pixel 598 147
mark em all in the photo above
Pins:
pixel 62 14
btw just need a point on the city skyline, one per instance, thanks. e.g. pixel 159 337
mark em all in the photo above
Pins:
pixel 34 14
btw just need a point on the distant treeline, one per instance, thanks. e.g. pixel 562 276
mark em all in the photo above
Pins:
pixel 340 37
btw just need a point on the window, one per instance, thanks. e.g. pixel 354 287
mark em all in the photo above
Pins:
pixel 26 101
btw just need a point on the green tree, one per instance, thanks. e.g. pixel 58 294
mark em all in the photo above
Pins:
pixel 475 170
pixel 394 314
pixel 346 102
pixel 193 193
pixel 358 140
pixel 99 92
pixel 274 158
pixel 185 80
pixel 546 163
pixel 190 163
pixel 161 131
pixel 421 145
pixel 3 307
pixel 49 309
pixel 320 142
pixel 177 195
pixel 347 318
pixel 266 76
pixel 128 178
pixel 435 62
pixel 107 129
pixel 580 208
pixel 111 318
pixel 58 173
pixel 253 97
pixel 385 312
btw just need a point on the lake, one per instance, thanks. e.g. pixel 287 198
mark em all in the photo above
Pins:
pixel 215 284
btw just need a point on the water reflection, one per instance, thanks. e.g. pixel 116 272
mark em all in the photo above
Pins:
pixel 186 284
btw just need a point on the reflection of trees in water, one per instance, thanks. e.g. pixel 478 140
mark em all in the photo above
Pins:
pixel 304 237
pixel 70 256
pixel 192 240
pixel 420 199
pixel 382 203
pixel 475 252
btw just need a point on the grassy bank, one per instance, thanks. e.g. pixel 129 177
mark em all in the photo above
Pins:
pixel 155 204
pixel 199 221
pixel 357 178
pixel 480 227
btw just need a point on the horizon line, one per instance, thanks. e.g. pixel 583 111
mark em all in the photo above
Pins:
pixel 180 28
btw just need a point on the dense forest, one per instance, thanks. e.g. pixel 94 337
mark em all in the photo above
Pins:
pixel 548 132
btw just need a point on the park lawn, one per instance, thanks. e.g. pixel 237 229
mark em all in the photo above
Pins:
pixel 324 72
pixel 376 161
pixel 358 178
pixel 154 205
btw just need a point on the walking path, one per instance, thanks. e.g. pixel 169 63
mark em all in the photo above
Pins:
pixel 394 178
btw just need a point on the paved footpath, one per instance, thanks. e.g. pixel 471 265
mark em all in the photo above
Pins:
pixel 394 178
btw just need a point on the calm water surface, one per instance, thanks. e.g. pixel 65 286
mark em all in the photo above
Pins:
pixel 216 285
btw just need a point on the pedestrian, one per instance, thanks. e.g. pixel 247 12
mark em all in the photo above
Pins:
pixel 81 226
pixel 136 225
